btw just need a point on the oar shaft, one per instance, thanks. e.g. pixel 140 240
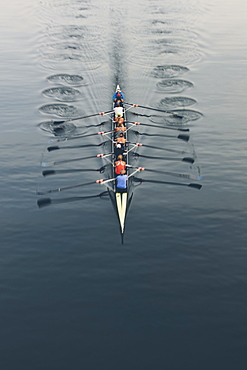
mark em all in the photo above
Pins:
pixel 159 148
pixel 174 174
pixel 65 188
pixel 82 117
pixel 55 172
pixel 181 137
pixel 56 147
pixel 43 202
pixel 195 186
pixel 157 126
pixel 181 175
pixel 185 159
pixel 155 109
pixel 82 136
pixel 74 160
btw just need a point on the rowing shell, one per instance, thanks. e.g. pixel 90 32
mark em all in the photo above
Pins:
pixel 121 200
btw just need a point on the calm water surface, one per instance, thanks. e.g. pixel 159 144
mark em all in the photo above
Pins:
pixel 174 295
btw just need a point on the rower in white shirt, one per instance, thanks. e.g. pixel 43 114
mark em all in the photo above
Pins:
pixel 118 110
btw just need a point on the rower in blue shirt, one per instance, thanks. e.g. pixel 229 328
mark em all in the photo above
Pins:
pixel 121 182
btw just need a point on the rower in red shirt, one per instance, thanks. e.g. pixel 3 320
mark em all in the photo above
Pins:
pixel 119 165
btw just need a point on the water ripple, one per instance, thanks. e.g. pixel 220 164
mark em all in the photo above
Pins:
pixel 66 129
pixel 61 110
pixel 177 101
pixel 62 93
pixel 66 78
pixel 168 71
pixel 174 86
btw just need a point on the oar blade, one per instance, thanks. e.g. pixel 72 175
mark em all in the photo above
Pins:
pixel 43 202
pixel 48 172
pixel 58 122
pixel 51 148
pixel 183 137
pixel 195 186
pixel 188 160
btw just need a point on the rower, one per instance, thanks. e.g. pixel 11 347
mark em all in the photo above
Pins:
pixel 118 110
pixel 121 182
pixel 121 139
pixel 119 119
pixel 120 128
pixel 118 150
pixel 120 165
pixel 119 145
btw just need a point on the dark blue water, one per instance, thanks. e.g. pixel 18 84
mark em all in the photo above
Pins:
pixel 174 295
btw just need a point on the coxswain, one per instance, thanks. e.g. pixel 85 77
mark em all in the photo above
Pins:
pixel 119 165
pixel 121 182
pixel 118 96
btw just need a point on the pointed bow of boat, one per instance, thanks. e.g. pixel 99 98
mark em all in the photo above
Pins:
pixel 121 202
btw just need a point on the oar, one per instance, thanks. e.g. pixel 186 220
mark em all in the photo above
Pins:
pixel 158 110
pixel 145 115
pixel 43 202
pixel 70 187
pixel 164 127
pixel 191 185
pixel 181 137
pixel 65 188
pixel 45 164
pixel 159 148
pixel 185 159
pixel 82 117
pixel 55 172
pixel 103 133
pixel 174 174
pixel 56 147
pixel 99 124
